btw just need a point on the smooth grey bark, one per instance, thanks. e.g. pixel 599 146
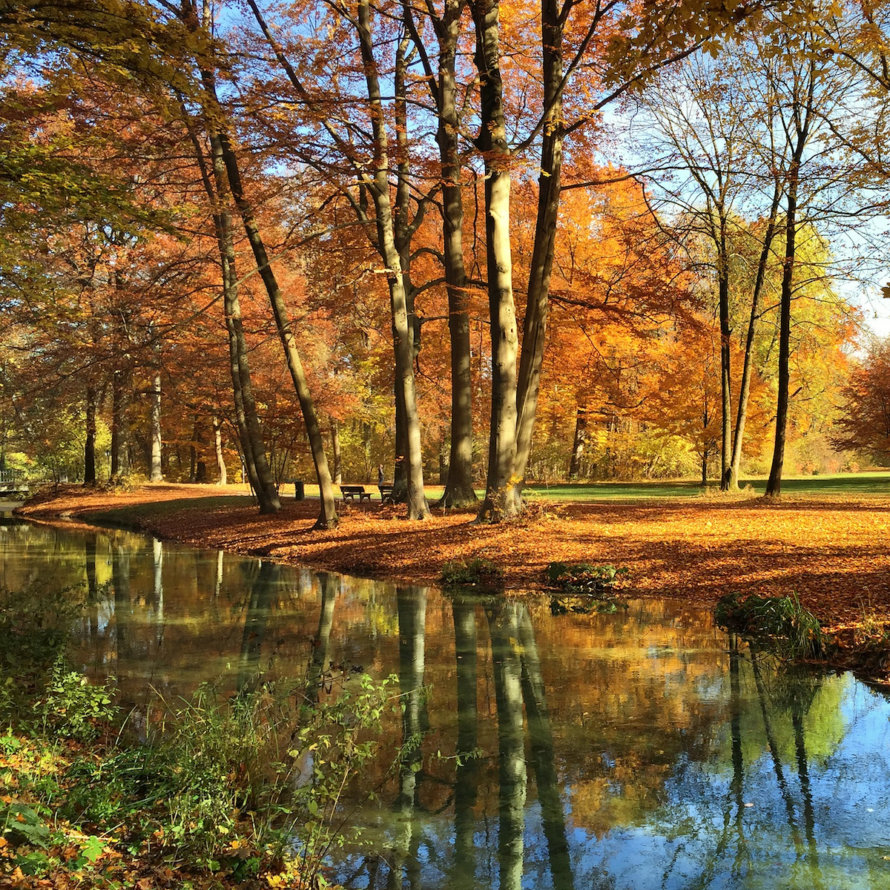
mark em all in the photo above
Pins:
pixel 748 360
pixel 500 501
pixel 247 423
pixel 534 331
pixel 402 324
pixel 579 442
pixel 156 472
pixel 442 84
pixel 222 474
pixel 374 180
pixel 798 129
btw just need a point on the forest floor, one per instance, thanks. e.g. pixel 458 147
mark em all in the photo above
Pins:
pixel 830 549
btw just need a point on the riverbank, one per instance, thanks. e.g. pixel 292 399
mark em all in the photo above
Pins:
pixel 831 552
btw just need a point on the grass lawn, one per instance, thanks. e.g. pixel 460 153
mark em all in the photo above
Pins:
pixel 855 484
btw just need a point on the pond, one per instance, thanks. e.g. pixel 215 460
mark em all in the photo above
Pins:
pixel 630 750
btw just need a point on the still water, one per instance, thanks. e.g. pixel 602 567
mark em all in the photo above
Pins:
pixel 634 750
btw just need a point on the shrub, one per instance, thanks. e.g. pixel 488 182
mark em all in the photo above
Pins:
pixel 779 624
pixel 72 707
pixel 476 572
pixel 581 577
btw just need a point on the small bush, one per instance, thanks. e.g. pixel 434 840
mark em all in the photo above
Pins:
pixel 581 577
pixel 73 708
pixel 778 623
pixel 476 572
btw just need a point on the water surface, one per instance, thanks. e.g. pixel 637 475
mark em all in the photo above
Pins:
pixel 633 750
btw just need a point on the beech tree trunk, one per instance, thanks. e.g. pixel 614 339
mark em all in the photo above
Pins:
pixel 328 512
pixel 748 361
pixel 725 369
pixel 222 476
pixel 500 502
pixel 579 443
pixel 259 471
pixel 459 490
pixel 534 332
pixel 800 125
pixel 247 424
pixel 156 473
pixel 375 180
pixel 120 382
pixel 774 485
pixel 335 448
pixel 402 324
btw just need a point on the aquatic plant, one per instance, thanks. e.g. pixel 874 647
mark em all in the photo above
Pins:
pixel 582 577
pixel 780 623
pixel 475 572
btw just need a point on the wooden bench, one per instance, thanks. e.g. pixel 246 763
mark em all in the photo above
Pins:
pixel 386 493
pixel 350 492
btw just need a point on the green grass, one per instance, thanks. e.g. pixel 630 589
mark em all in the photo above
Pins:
pixel 875 483
pixel 856 484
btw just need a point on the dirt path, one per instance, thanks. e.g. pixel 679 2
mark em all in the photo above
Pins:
pixel 832 552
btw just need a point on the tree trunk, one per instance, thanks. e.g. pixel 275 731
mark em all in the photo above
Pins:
pixel 377 183
pixel 500 501
pixel 247 420
pixel 748 361
pixel 402 323
pixel 156 473
pixel 222 473
pixel 725 369
pixel 328 512
pixel 459 490
pixel 579 443
pixel 335 449
pixel 89 449
pixel 534 332
pixel 119 383
pixel 774 486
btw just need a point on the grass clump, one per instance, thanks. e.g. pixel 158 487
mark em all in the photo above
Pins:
pixel 780 624
pixel 476 572
pixel 582 577
pixel 586 588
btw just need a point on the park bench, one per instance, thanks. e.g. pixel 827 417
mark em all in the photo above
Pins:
pixel 350 492
pixel 386 493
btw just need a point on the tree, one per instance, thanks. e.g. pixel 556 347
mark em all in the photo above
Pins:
pixel 865 418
